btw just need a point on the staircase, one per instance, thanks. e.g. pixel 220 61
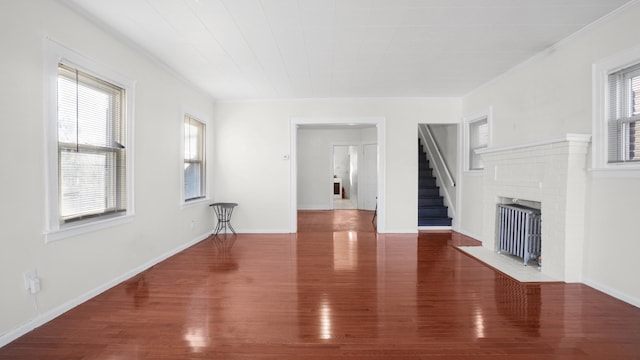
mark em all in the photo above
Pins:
pixel 431 208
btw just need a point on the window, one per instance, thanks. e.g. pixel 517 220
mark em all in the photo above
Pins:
pixel 623 122
pixel 89 145
pixel 194 159
pixel 616 115
pixel 476 138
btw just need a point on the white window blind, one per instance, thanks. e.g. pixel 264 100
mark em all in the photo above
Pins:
pixel 194 159
pixel 478 139
pixel 623 124
pixel 91 146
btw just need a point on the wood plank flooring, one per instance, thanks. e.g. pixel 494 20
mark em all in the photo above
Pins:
pixel 336 289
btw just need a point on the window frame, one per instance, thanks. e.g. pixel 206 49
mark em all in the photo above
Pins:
pixel 468 123
pixel 601 106
pixel 205 198
pixel 54 228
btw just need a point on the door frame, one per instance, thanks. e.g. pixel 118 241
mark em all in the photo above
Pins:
pixel 296 122
pixel 363 146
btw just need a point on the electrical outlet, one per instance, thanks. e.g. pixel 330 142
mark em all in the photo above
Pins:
pixel 29 277
pixel 193 224
pixel 34 286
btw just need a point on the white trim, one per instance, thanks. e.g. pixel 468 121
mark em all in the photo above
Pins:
pixel 295 122
pixel 585 138
pixel 612 292
pixel 434 228
pixel 402 231
pixel 262 231
pixel 53 313
pixel 361 205
pixel 192 203
pixel 600 72
pixel 54 52
pixel 610 172
pixel 330 180
pixel 85 228
pixel 455 223
pixel 315 207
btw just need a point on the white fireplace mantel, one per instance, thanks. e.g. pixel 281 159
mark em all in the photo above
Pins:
pixel 576 138
pixel 553 173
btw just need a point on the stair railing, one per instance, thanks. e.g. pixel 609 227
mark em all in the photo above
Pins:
pixel 440 165
pixel 430 142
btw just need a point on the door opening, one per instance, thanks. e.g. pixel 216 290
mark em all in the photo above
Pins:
pixel 345 177
pixel 304 197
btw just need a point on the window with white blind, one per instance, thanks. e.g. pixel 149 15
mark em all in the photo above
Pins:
pixel 616 115
pixel 92 150
pixel 623 122
pixel 476 138
pixel 194 159
pixel 89 147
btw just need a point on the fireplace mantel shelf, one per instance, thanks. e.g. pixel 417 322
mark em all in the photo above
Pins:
pixel 579 138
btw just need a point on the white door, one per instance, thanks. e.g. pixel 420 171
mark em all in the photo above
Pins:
pixel 368 188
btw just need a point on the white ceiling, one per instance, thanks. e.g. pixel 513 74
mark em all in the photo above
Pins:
pixel 250 49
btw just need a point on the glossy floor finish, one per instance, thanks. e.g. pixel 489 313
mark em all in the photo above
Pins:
pixel 336 290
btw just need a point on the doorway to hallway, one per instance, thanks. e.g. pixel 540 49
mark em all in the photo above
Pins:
pixel 312 178
pixel 344 192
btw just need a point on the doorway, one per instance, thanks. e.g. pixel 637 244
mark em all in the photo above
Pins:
pixel 345 177
pixel 309 200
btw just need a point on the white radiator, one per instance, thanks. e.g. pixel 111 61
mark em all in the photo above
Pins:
pixel 519 231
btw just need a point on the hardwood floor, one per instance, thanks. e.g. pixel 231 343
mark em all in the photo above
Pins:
pixel 336 290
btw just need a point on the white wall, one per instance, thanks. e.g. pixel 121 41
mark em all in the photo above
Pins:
pixel 76 268
pixel 546 98
pixel 253 137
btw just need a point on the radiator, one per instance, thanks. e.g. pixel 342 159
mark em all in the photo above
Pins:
pixel 519 231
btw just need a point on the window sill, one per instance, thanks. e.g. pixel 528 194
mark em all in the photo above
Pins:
pixel 79 229
pixel 620 172
pixel 192 203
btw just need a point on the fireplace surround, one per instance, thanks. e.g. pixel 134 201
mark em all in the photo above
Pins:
pixel 553 173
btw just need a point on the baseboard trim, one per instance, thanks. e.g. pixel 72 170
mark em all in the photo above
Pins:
pixel 434 228
pixel 466 233
pixel 400 231
pixel 263 231
pixel 314 207
pixel 611 292
pixel 42 319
